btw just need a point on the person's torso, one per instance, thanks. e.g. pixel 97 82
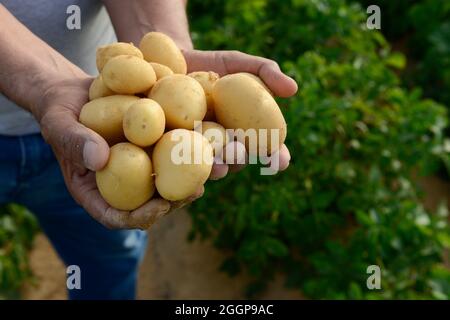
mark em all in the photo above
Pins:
pixel 48 19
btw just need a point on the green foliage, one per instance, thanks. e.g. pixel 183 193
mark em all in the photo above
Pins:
pixel 17 230
pixel 347 201
pixel 422 29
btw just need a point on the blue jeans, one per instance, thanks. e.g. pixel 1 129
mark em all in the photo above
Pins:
pixel 108 259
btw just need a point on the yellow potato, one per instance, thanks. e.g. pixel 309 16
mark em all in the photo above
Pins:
pixel 182 161
pixel 105 116
pixel 127 74
pixel 257 79
pixel 216 135
pixel 126 182
pixel 182 99
pixel 98 89
pixel 242 103
pixel 207 81
pixel 161 71
pixel 144 122
pixel 157 47
pixel 115 49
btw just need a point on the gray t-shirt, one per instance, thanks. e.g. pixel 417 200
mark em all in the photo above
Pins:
pixel 48 20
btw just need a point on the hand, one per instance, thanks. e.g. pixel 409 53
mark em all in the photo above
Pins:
pixel 80 151
pixel 226 62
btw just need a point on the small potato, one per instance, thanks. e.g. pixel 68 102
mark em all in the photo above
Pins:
pixel 98 89
pixel 144 122
pixel 182 99
pixel 259 80
pixel 113 50
pixel 216 135
pixel 182 161
pixel 128 75
pixel 207 81
pixel 242 103
pixel 157 47
pixel 161 71
pixel 105 116
pixel 126 182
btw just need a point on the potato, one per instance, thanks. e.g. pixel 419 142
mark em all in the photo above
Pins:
pixel 177 180
pixel 127 74
pixel 259 80
pixel 242 103
pixel 105 116
pixel 207 80
pixel 126 182
pixel 182 99
pixel 161 71
pixel 116 49
pixel 216 135
pixel 157 47
pixel 144 122
pixel 98 89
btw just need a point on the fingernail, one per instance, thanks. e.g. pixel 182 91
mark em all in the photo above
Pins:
pixel 218 158
pixel 89 152
pixel 285 167
pixel 289 157
pixel 199 193
pixel 163 206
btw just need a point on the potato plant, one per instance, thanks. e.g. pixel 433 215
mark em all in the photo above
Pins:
pixel 17 229
pixel 348 200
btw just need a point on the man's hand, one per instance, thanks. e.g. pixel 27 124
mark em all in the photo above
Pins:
pixel 80 151
pixel 226 62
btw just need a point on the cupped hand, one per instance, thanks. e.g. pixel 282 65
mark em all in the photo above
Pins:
pixel 80 151
pixel 226 62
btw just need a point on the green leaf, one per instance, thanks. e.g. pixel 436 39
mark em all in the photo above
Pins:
pixel 275 247
pixel 396 60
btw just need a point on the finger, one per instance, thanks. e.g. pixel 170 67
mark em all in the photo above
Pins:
pixel 281 85
pixel 199 60
pixel 277 161
pixel 74 142
pixel 179 204
pixel 235 155
pixel 141 218
pixel 233 168
pixel 147 215
pixel 268 70
pixel 219 171
pixel 85 192
pixel 284 157
pixel 225 62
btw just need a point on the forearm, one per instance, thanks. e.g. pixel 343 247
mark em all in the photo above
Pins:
pixel 133 19
pixel 28 66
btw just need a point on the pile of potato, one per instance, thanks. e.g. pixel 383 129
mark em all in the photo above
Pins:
pixel 143 101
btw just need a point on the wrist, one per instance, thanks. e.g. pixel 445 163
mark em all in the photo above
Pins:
pixel 53 90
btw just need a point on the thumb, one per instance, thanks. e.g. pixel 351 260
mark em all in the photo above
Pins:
pixel 74 142
pixel 225 62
